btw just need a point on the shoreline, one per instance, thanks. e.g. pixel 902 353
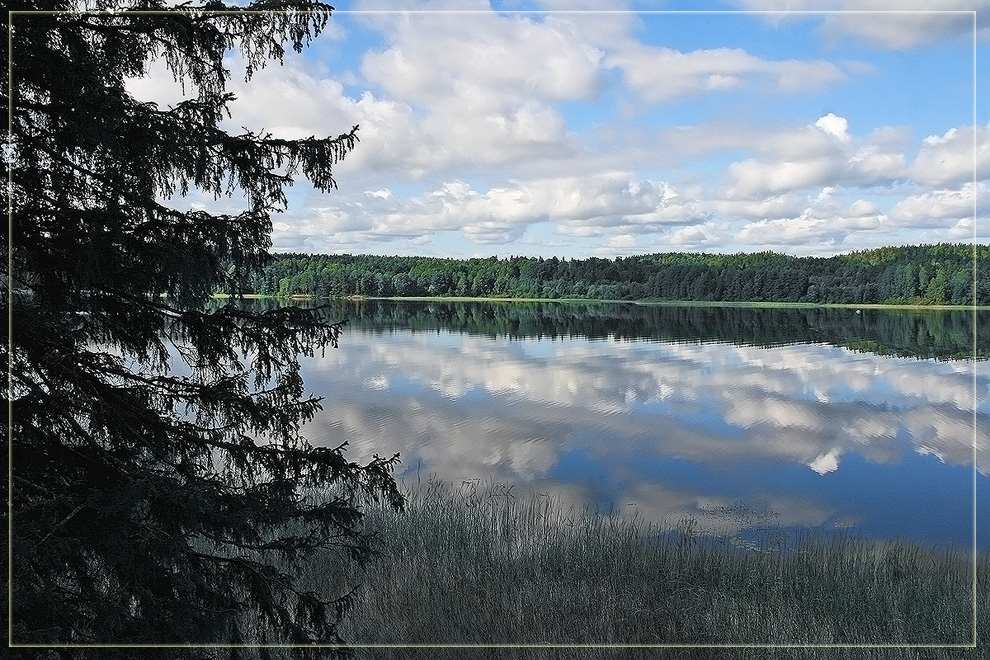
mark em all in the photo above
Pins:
pixel 644 303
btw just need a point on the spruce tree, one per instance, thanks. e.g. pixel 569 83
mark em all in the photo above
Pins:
pixel 160 487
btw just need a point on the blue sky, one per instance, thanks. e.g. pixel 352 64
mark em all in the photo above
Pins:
pixel 514 128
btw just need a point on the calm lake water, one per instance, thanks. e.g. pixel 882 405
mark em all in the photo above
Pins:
pixel 754 421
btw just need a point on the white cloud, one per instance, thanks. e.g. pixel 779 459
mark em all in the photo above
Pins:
pixel 157 86
pixel 332 221
pixel 934 208
pixel 694 236
pixel 827 137
pixel 966 230
pixel 620 242
pixel 796 231
pixel 581 206
pixel 961 154
pixel 602 195
pixel 485 60
pixel 825 221
pixel 910 23
pixel 822 154
pixel 753 178
pixel 483 87
pixel 907 24
pixel 658 74
pixel 776 207
pixel 617 206
pixel 835 126
pixel 297 101
pixel 871 164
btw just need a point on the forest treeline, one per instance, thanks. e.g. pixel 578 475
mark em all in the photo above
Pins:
pixel 923 274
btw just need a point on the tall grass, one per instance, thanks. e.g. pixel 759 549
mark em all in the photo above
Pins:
pixel 475 565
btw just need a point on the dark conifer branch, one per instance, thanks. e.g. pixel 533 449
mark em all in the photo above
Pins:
pixel 150 506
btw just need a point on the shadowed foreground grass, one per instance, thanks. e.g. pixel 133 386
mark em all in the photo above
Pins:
pixel 474 566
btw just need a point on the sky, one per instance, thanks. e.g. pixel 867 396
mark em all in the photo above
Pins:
pixel 551 128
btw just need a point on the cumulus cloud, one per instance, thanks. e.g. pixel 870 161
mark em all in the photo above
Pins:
pixel 933 208
pixel 764 190
pixel 484 85
pixel 158 85
pixel 621 208
pixel 961 154
pixel 826 138
pixel 607 202
pixel 824 221
pixel 908 24
pixel 820 154
pixel 752 177
pixel 301 99
pixel 911 23
pixel 776 207
pixel 484 60
pixel 706 235
pixel 298 100
pixel 965 229
pixel 620 243
pixel 835 126
pixel 608 194
pixel 658 74
pixel 447 98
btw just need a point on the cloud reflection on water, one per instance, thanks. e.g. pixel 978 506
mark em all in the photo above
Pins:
pixel 469 407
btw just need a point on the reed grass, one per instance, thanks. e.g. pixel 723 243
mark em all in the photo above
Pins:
pixel 474 565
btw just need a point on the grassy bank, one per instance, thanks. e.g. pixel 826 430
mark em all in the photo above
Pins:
pixel 476 566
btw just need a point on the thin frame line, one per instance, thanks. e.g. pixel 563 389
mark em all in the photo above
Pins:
pixel 785 13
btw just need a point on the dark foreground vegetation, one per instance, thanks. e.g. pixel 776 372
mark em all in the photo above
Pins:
pixel 155 453
pixel 924 275
pixel 474 565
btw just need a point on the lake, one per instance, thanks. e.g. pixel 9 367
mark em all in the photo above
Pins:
pixel 753 421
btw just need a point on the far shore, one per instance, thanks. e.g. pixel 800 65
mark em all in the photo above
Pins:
pixel 657 303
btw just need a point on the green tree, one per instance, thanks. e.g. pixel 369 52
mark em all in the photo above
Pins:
pixel 161 489
pixel 935 290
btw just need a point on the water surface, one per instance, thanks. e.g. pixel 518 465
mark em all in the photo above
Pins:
pixel 758 419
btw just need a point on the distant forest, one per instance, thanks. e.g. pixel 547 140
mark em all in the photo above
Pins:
pixel 924 274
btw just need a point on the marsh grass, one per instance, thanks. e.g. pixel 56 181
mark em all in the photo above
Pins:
pixel 476 565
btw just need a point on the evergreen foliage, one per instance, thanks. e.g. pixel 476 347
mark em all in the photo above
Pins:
pixel 159 476
pixel 924 274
